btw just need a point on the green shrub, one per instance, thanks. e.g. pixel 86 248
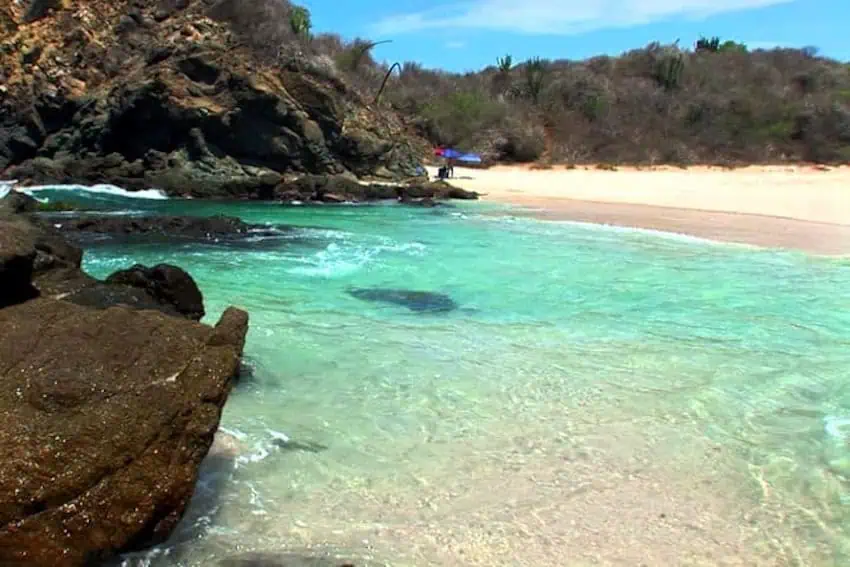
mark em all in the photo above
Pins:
pixel 461 117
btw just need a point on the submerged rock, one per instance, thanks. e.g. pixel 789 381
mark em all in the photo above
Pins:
pixel 171 226
pixel 283 560
pixel 418 301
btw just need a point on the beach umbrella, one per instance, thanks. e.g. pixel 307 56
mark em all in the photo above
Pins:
pixel 450 153
pixel 470 158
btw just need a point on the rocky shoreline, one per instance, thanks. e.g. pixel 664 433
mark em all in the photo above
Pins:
pixel 128 94
pixel 110 392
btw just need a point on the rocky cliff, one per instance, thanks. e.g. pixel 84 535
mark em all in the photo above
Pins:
pixel 110 395
pixel 156 93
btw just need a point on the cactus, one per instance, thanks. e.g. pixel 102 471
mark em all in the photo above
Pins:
pixel 300 22
pixel 505 64
pixel 669 69
pixel 712 45
pixel 535 76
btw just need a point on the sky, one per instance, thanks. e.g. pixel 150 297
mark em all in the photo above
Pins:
pixel 466 35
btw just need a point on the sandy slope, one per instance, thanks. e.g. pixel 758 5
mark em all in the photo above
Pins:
pixel 792 207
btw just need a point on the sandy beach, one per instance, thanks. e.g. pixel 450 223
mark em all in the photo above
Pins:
pixel 794 207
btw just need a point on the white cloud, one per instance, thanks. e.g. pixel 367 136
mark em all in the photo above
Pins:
pixel 455 44
pixel 562 17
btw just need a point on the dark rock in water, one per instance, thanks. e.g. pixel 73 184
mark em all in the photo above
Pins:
pixel 283 560
pixel 424 202
pixel 307 446
pixel 438 190
pixel 167 284
pixel 418 301
pixel 213 228
pixel 338 188
pixel 190 226
pixel 97 295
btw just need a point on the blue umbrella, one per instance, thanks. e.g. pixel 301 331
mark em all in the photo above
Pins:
pixel 470 158
pixel 449 153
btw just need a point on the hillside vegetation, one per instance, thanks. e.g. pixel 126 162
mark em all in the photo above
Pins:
pixel 715 102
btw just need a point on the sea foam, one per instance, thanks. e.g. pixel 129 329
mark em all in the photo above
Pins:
pixel 97 189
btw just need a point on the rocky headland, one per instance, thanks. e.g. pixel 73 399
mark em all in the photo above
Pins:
pixel 110 395
pixel 164 94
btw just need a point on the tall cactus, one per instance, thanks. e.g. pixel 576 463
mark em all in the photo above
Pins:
pixel 300 21
pixel 505 63
pixel 669 69
pixel 535 77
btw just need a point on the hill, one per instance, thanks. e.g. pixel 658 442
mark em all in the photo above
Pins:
pixel 181 95
pixel 232 94
pixel 718 103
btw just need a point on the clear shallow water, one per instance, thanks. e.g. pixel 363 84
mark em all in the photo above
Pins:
pixel 601 396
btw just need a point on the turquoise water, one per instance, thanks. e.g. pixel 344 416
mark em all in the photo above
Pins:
pixel 601 396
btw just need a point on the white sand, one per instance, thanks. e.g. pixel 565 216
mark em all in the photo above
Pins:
pixel 797 206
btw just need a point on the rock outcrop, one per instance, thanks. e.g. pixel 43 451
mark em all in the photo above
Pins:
pixel 124 92
pixel 168 284
pixel 336 189
pixel 172 227
pixel 107 412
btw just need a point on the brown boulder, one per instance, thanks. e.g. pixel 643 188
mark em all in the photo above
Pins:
pixel 106 416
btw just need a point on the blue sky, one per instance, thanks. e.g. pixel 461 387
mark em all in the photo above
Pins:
pixel 462 35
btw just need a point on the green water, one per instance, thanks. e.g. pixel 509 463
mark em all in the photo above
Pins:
pixel 600 397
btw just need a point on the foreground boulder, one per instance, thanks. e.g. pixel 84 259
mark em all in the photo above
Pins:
pixel 110 396
pixel 107 416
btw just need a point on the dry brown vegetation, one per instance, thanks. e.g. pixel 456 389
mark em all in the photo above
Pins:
pixel 716 103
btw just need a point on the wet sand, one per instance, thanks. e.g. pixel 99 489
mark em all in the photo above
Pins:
pixel 795 207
